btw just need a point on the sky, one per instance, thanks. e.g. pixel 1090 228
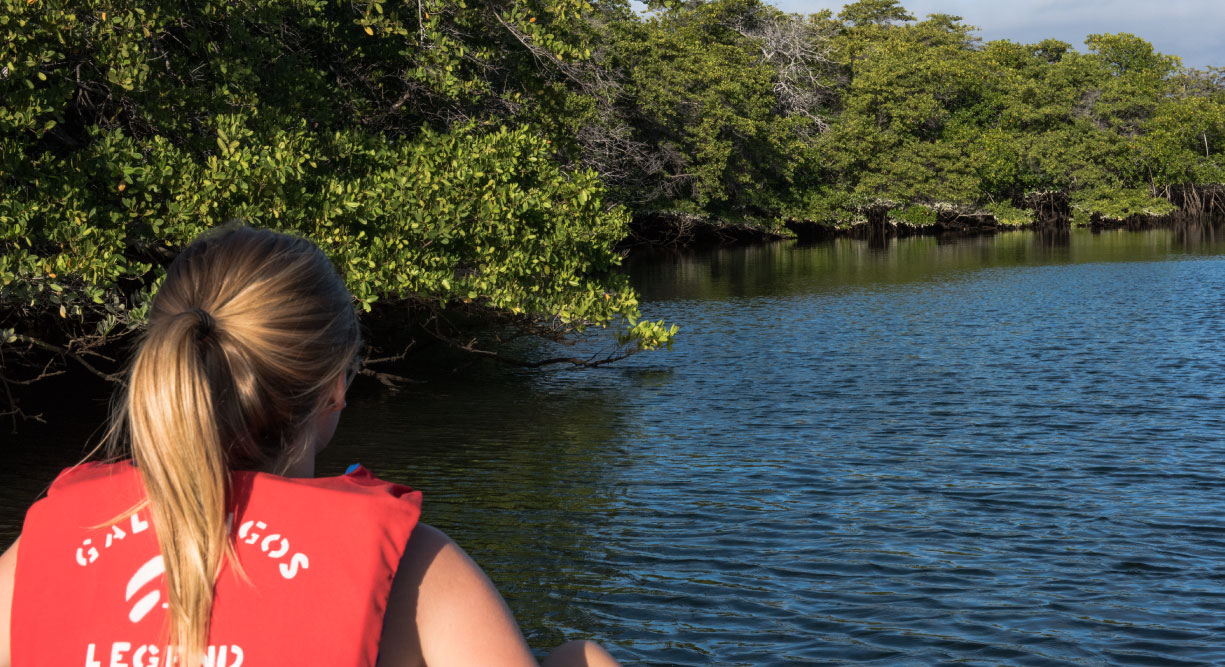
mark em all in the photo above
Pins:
pixel 1191 29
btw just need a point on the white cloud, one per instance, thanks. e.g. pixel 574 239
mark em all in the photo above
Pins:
pixel 1192 29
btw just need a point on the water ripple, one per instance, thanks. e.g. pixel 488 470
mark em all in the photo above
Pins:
pixel 1002 451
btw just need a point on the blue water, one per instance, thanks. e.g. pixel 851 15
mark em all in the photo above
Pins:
pixel 995 451
pixel 992 451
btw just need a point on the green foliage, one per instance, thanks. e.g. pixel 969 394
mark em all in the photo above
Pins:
pixel 917 215
pixel 928 115
pixel 908 112
pixel 1128 54
pixel 874 12
pixel 704 91
pixel 1118 203
pixel 457 153
pixel 1183 142
pixel 401 145
pixel 1007 214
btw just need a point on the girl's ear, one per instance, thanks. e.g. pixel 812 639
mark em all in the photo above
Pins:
pixel 337 400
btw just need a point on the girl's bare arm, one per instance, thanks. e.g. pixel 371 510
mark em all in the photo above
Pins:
pixel 443 610
pixel 8 566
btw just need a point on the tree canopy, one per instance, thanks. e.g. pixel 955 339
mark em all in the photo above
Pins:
pixel 459 158
pixel 415 145
pixel 913 115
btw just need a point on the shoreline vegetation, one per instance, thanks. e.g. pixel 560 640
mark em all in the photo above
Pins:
pixel 681 230
pixel 477 172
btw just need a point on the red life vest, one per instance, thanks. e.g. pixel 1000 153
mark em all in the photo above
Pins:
pixel 318 555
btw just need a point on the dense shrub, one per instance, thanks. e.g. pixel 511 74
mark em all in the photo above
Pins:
pixel 128 129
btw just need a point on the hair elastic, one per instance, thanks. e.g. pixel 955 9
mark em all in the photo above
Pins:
pixel 206 323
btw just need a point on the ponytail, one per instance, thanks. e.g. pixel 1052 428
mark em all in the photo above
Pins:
pixel 245 336
pixel 170 401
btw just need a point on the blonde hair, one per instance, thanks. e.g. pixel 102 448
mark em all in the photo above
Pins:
pixel 246 336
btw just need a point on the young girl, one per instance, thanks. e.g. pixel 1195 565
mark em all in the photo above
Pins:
pixel 213 544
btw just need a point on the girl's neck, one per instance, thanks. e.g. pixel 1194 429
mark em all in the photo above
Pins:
pixel 302 465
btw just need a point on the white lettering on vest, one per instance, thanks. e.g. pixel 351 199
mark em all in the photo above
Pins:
pixel 93 552
pixel 275 546
pixel 138 658
pixel 149 655
pixel 245 528
pixel 220 656
pixel 138 526
pixel 290 570
pixel 279 551
pixel 152 569
pixel 115 534
pixel 117 651
pixel 87 553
